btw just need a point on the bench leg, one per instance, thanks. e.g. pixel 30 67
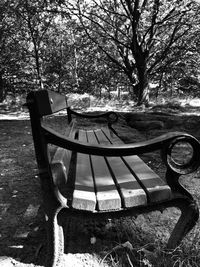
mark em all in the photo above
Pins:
pixel 187 220
pixel 55 238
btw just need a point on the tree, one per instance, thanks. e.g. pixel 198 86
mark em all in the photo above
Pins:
pixel 9 59
pixel 136 35
pixel 34 22
pixel 180 58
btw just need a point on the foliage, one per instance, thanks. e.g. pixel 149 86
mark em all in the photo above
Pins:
pixel 143 38
pixel 96 46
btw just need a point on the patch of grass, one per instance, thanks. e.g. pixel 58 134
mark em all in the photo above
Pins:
pixel 140 250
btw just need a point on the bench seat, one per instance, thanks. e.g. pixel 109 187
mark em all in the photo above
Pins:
pixel 99 183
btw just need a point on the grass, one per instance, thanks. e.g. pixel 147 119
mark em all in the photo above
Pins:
pixel 154 254
pixel 125 242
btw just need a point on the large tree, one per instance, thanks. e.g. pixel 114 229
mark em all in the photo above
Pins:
pixel 136 35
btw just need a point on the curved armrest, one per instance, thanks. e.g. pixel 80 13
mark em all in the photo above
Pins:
pixel 165 143
pixel 111 116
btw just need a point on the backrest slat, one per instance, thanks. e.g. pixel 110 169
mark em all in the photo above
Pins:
pixel 49 102
pixel 41 103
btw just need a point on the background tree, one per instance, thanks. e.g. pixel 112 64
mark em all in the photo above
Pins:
pixel 136 35
pixel 9 61
pixel 34 22
pixel 181 58
pixel 95 46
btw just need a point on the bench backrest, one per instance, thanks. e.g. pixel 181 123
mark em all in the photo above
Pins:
pixel 46 102
pixel 42 103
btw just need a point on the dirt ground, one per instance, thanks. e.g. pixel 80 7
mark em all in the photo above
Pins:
pixel 22 228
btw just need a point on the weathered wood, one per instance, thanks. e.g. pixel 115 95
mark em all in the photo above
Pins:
pixel 108 197
pixel 155 188
pixel 131 192
pixel 49 102
pixel 60 165
pixel 84 197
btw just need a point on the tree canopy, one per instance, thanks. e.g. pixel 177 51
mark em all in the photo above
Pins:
pixel 87 46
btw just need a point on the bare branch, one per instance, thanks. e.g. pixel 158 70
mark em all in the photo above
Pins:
pixel 104 30
pixel 172 40
pixel 100 47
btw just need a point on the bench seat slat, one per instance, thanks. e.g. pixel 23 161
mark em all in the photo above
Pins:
pixel 84 194
pixel 108 197
pixel 60 168
pixel 131 192
pixel 154 186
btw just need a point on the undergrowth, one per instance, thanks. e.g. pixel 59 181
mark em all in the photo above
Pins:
pixel 140 250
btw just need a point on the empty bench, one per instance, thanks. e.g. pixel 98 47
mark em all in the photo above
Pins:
pixel 94 174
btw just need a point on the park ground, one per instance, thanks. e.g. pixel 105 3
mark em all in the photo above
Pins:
pixel 126 242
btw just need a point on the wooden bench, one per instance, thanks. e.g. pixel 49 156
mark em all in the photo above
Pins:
pixel 95 175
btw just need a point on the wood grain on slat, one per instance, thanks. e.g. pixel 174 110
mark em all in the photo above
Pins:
pixel 107 195
pixel 113 138
pixel 84 193
pixel 131 192
pixel 155 187
pixel 61 161
pixel 60 168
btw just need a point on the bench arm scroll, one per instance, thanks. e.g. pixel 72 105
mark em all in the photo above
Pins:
pixel 188 163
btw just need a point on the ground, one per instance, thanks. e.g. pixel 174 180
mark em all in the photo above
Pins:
pixel 22 230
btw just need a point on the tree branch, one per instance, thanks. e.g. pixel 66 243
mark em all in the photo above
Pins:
pixel 168 46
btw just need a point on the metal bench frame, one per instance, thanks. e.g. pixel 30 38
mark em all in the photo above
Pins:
pixel 42 103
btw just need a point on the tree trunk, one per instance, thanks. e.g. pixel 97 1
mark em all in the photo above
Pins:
pixel 118 92
pixel 59 83
pixel 2 89
pixel 38 67
pixel 143 93
pixel 75 63
pixel 100 92
pixel 143 84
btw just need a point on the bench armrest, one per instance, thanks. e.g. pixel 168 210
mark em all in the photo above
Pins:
pixel 165 143
pixel 111 116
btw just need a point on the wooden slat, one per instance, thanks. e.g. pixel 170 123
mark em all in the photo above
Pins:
pixel 113 138
pixel 155 187
pixel 107 195
pixel 60 166
pixel 84 197
pixel 61 161
pixel 49 102
pixel 131 192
